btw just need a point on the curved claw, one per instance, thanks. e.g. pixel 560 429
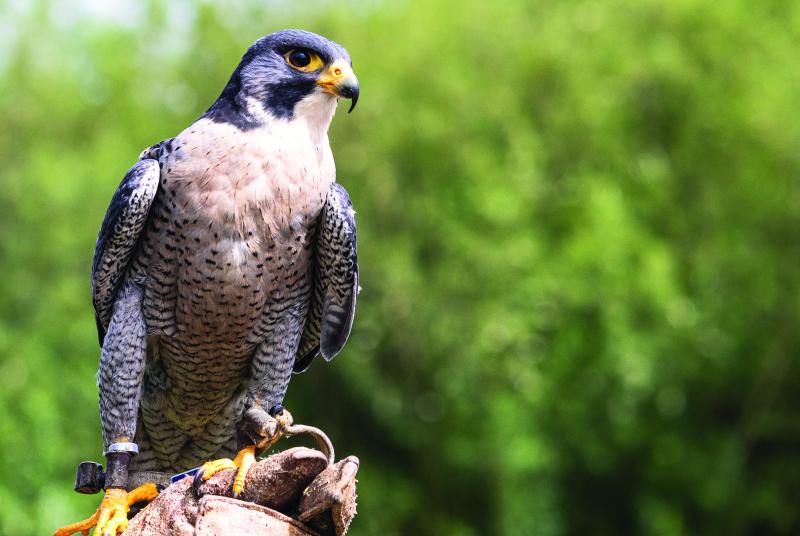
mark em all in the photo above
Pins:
pixel 198 481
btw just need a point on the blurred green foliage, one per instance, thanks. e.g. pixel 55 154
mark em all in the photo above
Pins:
pixel 579 232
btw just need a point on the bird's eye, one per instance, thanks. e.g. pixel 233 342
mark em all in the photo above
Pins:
pixel 303 60
pixel 299 58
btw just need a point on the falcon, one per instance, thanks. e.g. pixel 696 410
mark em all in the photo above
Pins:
pixel 226 261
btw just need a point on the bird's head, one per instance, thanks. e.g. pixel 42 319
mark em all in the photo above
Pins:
pixel 287 73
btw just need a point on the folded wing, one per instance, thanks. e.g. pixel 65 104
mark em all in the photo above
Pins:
pixel 333 296
pixel 119 236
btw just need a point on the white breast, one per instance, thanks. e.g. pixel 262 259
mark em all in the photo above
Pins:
pixel 269 178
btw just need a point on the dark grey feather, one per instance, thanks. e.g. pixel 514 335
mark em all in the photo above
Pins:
pixel 119 235
pixel 333 297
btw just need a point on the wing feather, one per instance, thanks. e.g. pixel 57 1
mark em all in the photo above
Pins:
pixel 333 296
pixel 119 235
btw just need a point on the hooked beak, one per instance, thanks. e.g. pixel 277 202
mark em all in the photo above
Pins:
pixel 340 80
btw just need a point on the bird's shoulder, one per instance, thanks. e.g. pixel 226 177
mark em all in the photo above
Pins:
pixel 158 151
pixel 206 141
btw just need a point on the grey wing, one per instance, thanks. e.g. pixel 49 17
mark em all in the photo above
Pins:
pixel 119 235
pixel 333 296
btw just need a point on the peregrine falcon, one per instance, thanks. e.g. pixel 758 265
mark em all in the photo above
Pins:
pixel 226 261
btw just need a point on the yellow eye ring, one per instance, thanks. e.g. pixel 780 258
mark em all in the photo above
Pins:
pixel 304 60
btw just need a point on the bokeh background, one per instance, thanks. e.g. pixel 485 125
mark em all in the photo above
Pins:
pixel 579 233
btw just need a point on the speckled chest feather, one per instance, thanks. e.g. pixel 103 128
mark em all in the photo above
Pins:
pixel 228 250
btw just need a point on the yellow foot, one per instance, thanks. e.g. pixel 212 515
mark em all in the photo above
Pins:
pixel 112 516
pixel 244 459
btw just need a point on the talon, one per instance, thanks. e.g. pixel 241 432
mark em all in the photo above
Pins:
pixel 242 463
pixel 112 515
pixel 198 480
pixel 245 459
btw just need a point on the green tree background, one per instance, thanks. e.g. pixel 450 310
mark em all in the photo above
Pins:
pixel 579 242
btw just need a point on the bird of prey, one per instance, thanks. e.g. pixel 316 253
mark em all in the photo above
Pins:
pixel 226 261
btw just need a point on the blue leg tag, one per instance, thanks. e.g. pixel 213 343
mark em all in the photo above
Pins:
pixel 179 476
